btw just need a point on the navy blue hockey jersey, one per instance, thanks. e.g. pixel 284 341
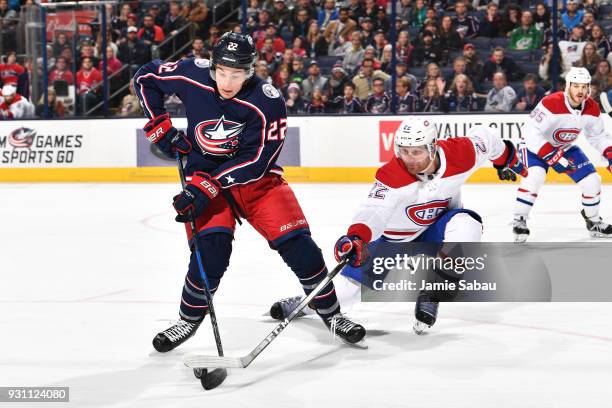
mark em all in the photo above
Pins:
pixel 235 140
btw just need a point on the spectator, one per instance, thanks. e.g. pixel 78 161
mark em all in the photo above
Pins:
pixel 300 25
pixel 502 97
pixel 356 10
pixel 546 66
pixel 432 71
pixel 353 56
pixel 378 102
pixel 381 22
pixel 340 30
pixel 316 104
pixel 294 102
pixel 419 14
pixel 406 101
pixel 525 37
pixel 529 95
pixel 385 61
pixel 112 62
pixel 571 50
pixel 130 105
pixel 460 96
pixel 198 49
pixel 298 73
pixel 431 99
pixel 155 12
pixel 499 62
pixel 401 71
pixel 14 105
pixel 459 68
pixel 603 76
pixel 316 45
pixel 259 31
pixel 601 42
pixel 541 17
pixel 214 35
pixel 347 103
pixel 370 53
pixel 8 24
pixel 562 33
pixel 61 42
pixel 174 19
pixel 267 54
pixel 314 81
pixel 11 71
pixel 120 23
pixel 367 32
pixel 281 79
pixel 449 37
pixel 364 79
pixel 467 26
pixel 572 16
pixel 56 107
pixel 61 72
pixel 426 52
pixel 262 71
pixel 590 58
pixel 510 19
pixel 379 44
pixel 278 45
pixel 588 21
pixel 338 79
pixel 327 14
pixel 281 15
pixel 473 64
pixel 491 23
pixel 298 47
pixel 403 48
pixel 133 51
pixel 150 33
pixel 303 5
pixel 87 51
pixel 132 21
pixel 196 12
pixel 370 9
pixel 404 10
pixel 88 80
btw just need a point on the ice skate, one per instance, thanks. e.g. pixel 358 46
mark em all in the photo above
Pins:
pixel 175 335
pixel 283 308
pixel 519 228
pixel 349 332
pixel 597 227
pixel 425 312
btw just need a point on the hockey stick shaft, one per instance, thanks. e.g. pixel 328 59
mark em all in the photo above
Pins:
pixel 196 361
pixel 198 254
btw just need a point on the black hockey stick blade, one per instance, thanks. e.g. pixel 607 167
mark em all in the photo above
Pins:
pixel 212 379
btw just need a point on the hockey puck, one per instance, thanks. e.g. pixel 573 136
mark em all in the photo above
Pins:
pixel 213 379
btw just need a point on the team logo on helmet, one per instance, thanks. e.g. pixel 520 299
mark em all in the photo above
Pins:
pixel 565 136
pixel 426 214
pixel 218 137
pixel 21 137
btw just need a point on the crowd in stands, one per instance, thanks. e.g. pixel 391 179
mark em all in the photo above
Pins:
pixel 328 56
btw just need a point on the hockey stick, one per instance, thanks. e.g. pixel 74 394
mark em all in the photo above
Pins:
pixel 214 378
pixel 200 361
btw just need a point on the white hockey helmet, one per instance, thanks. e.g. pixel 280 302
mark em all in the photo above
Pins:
pixel 416 131
pixel 577 75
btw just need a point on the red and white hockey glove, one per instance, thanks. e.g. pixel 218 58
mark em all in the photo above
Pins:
pixel 166 137
pixel 608 155
pixel 554 157
pixel 352 248
pixel 509 164
pixel 196 196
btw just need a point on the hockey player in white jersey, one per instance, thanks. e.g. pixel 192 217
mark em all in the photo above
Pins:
pixel 550 135
pixel 417 197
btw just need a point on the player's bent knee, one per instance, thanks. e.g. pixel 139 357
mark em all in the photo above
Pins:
pixel 216 251
pixel 535 179
pixel 462 227
pixel 302 255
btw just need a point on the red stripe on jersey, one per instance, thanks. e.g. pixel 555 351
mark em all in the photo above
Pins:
pixel 591 108
pixel 401 232
pixel 394 174
pixel 555 103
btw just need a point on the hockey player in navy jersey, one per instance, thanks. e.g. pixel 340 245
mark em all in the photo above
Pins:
pixel 236 126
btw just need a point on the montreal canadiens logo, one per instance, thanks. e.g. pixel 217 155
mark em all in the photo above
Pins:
pixel 565 135
pixel 21 138
pixel 426 214
pixel 218 136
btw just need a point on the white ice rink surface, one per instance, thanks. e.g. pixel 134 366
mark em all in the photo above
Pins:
pixel 89 273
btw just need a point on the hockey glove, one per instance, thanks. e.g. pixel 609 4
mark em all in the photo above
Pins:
pixel 509 164
pixel 196 195
pixel 554 158
pixel 608 155
pixel 166 137
pixel 352 248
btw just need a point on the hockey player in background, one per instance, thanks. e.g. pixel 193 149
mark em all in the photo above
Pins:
pixel 236 126
pixel 417 197
pixel 550 135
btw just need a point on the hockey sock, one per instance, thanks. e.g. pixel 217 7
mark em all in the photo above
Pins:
pixel 528 191
pixel 591 193
pixel 304 258
pixel 216 248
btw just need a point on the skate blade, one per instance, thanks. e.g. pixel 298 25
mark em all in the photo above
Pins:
pixel 520 238
pixel 361 344
pixel 599 235
pixel 420 327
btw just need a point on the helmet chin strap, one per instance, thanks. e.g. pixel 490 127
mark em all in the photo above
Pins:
pixel 424 176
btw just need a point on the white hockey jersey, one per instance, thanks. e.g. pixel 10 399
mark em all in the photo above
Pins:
pixel 19 108
pixel 555 122
pixel 401 207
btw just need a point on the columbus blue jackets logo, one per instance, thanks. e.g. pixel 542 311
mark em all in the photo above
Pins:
pixel 219 137
pixel 565 136
pixel 426 214
pixel 21 137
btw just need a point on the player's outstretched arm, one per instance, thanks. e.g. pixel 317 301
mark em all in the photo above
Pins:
pixel 502 153
pixel 156 79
